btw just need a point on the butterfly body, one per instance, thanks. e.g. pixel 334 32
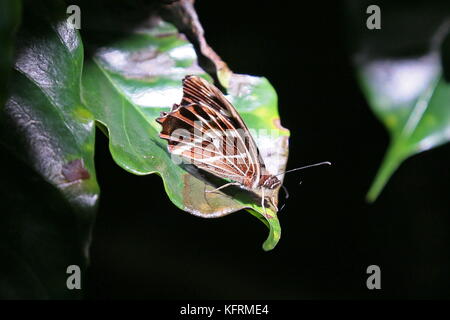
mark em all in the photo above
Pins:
pixel 207 131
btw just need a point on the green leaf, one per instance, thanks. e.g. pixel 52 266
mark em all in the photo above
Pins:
pixel 48 134
pixel 127 84
pixel 411 98
pixel 400 70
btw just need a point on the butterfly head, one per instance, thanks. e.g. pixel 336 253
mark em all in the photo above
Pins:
pixel 271 182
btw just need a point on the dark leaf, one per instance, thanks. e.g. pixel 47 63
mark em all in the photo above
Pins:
pixel 49 188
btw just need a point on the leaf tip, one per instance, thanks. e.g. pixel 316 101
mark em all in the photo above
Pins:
pixel 372 195
pixel 271 241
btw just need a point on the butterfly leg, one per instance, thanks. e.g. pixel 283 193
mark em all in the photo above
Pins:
pixel 273 203
pixel 222 187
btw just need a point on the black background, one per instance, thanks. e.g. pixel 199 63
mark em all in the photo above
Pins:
pixel 144 247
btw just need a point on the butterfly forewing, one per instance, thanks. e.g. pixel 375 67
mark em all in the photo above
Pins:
pixel 208 132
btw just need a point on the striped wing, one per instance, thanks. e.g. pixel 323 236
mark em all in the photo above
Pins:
pixel 207 131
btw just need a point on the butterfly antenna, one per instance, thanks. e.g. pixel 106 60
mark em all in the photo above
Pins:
pixel 308 166
pixel 296 169
pixel 285 191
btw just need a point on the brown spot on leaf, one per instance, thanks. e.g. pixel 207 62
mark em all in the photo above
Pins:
pixel 267 216
pixel 74 170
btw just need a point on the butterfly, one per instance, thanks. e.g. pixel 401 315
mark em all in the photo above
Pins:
pixel 206 130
